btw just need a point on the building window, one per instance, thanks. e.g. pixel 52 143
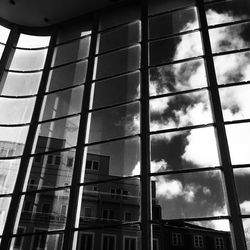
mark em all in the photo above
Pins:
pixel 118 193
pixel 108 242
pixel 129 243
pixel 46 208
pixel 198 241
pixel 70 161
pixel 58 160
pixel 92 165
pixel 177 239
pixel 88 212
pixel 63 210
pixel 39 240
pixel 19 240
pixel 219 243
pixel 108 214
pixel 50 159
pixel 86 241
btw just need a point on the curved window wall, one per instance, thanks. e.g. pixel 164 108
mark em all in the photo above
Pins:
pixel 140 134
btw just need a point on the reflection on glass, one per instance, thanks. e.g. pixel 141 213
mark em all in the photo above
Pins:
pixel 242 177
pixel 50 170
pixel 119 16
pixel 246 226
pixel 115 122
pixel 180 111
pixel 235 102
pixel 116 197
pixel 8 172
pixel 129 59
pixel 4 34
pixel 70 52
pixel 19 84
pixel 62 103
pixel 189 195
pixel 38 241
pixel 4 207
pixel 111 160
pixel 111 238
pixel 16 111
pixel 116 90
pixel 177 77
pixel 214 234
pixel 44 210
pixel 173 23
pixel 195 148
pixel 227 11
pixel 57 134
pixel 12 140
pixel 233 37
pixel 232 68
pixel 25 60
pixel 162 5
pixel 67 76
pixel 28 41
pixel 121 37
pixel 238 137
pixel 177 48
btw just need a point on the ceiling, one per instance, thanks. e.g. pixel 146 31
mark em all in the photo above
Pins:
pixel 47 12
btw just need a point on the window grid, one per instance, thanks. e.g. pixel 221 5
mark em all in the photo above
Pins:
pixel 212 90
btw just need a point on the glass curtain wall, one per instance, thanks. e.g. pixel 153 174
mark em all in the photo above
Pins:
pixel 139 137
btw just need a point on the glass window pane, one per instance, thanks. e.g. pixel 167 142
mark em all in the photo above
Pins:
pixel 70 52
pixel 25 60
pixel 4 207
pixel 177 77
pixel 1 50
pixel 189 195
pixel 8 172
pixel 16 111
pixel 67 76
pixel 235 102
pixel 195 148
pixel 242 180
pixel 13 139
pixel 121 37
pixel 162 5
pixel 38 241
pixel 19 84
pixel 129 59
pixel 62 103
pixel 227 11
pixel 57 134
pixel 180 111
pixel 177 48
pixel 233 37
pixel 238 137
pixel 246 226
pixel 112 160
pixel 116 90
pixel 28 41
pixel 115 122
pixel 232 68
pixel 4 34
pixel 43 210
pixel 50 170
pixel 124 195
pixel 173 23
pixel 119 16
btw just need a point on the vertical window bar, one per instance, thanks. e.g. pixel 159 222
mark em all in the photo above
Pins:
pixel 145 136
pixel 15 201
pixel 12 41
pixel 233 204
pixel 74 189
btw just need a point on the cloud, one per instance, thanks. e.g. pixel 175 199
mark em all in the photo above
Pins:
pixel 201 148
pixel 245 207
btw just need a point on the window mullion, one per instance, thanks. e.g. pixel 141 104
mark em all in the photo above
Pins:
pixel 77 170
pixel 233 204
pixel 145 136
pixel 22 172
